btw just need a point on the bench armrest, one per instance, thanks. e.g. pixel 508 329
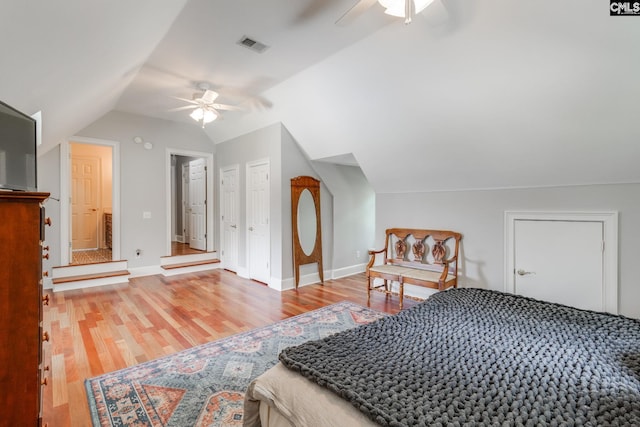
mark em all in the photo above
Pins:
pixel 450 260
pixel 445 270
pixel 373 257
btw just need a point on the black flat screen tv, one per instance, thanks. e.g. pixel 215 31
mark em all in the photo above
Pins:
pixel 17 150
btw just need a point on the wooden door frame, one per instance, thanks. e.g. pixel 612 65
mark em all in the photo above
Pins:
pixel 234 167
pixel 65 194
pixel 209 183
pixel 610 256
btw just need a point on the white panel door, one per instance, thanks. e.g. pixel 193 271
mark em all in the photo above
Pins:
pixel 85 178
pixel 258 222
pixel 197 204
pixel 229 218
pixel 560 261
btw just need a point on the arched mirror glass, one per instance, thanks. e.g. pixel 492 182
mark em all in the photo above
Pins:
pixel 307 222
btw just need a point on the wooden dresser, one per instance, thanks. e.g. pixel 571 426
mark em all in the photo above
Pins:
pixel 22 373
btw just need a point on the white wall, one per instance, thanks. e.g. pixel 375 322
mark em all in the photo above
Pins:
pixel 143 180
pixel 49 182
pixel 295 163
pixel 261 144
pixel 353 216
pixel 479 216
pixel 286 161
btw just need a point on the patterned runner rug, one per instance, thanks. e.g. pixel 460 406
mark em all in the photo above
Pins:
pixel 205 385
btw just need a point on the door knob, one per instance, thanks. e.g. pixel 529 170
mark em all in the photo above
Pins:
pixel 521 272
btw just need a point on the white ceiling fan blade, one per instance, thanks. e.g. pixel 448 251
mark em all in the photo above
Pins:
pixel 355 11
pixel 186 107
pixel 190 101
pixel 227 107
pixel 209 96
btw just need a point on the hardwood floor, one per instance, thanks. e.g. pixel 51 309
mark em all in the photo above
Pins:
pixel 104 329
pixel 178 248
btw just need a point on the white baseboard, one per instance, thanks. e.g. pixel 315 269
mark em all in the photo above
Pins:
pixel 348 271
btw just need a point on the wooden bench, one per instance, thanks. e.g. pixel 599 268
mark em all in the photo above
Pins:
pixel 407 259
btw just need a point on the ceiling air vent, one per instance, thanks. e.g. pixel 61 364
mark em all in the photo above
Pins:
pixel 254 45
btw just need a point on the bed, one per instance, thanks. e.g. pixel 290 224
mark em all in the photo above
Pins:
pixel 463 357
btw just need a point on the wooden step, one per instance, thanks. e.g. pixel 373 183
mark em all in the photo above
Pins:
pixel 190 264
pixel 81 277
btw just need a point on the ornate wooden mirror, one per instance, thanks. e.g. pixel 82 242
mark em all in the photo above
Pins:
pixel 305 222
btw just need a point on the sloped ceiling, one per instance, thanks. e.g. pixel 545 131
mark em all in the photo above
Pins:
pixel 473 94
pixel 73 59
pixel 518 94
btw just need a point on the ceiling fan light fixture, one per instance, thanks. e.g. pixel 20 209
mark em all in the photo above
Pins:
pixel 398 7
pixel 209 116
pixel 197 114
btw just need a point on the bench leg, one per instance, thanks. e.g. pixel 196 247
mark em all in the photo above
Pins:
pixel 401 294
pixel 368 289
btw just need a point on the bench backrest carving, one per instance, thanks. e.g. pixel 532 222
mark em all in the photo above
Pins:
pixel 418 248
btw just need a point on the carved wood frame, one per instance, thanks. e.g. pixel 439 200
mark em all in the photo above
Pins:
pixel 298 185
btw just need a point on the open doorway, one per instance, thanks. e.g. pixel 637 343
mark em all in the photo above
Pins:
pixel 188 224
pixel 90 177
pixel 190 215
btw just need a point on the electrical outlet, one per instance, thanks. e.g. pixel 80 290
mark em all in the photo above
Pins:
pixel 357 254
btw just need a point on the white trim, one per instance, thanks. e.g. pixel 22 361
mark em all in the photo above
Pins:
pixel 610 257
pixel 65 195
pixel 347 271
pixel 210 206
pixel 515 187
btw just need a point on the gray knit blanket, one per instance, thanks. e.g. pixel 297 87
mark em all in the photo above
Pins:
pixel 477 357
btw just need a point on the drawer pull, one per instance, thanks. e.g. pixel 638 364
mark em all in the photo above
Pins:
pixel 45 336
pixel 47 221
pixel 44 381
pixel 45 256
pixel 45 273
pixel 45 300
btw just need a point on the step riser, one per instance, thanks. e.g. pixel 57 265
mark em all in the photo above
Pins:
pixel 178 259
pixel 84 284
pixel 80 270
pixel 191 269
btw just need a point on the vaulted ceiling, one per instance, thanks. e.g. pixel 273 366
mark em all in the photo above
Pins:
pixel 473 94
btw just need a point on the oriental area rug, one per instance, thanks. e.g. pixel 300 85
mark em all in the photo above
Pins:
pixel 205 385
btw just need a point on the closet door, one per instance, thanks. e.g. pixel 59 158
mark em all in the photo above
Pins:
pixel 560 261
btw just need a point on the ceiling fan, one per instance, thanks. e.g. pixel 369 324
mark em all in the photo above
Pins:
pixel 406 9
pixel 205 109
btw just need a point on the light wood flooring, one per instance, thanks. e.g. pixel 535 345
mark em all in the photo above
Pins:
pixel 99 330
pixel 178 248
